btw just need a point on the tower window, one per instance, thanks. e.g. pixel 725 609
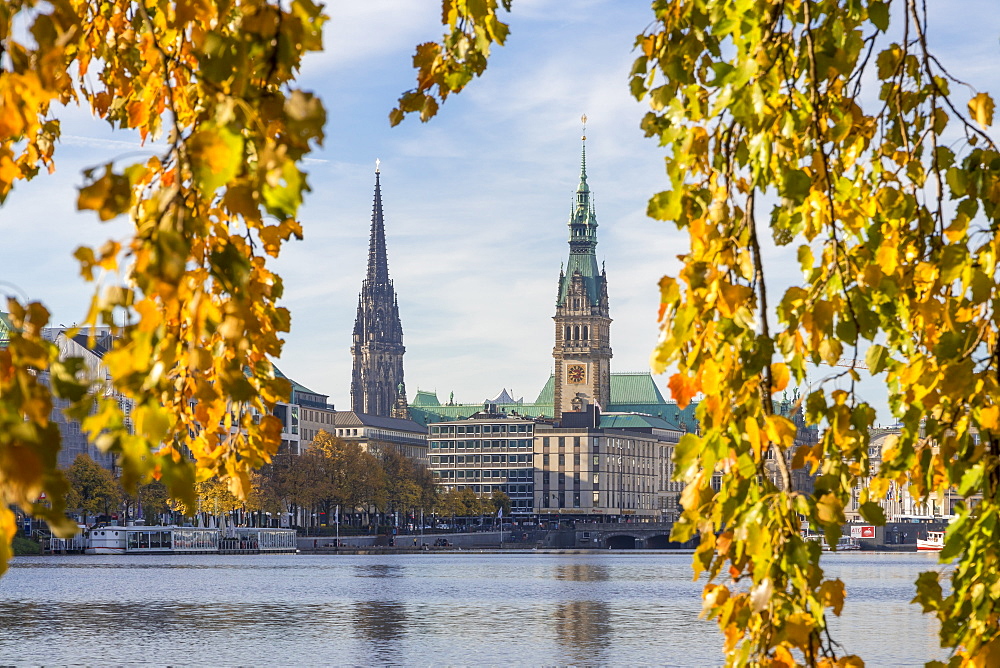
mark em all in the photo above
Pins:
pixel 586 333
pixel 576 333
pixel 567 333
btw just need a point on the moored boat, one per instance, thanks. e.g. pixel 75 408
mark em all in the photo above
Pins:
pixel 933 543
pixel 188 540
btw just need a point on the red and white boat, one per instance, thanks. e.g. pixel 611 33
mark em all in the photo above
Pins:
pixel 933 543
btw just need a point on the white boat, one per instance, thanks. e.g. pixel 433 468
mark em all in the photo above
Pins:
pixel 933 543
pixel 105 540
pixel 188 540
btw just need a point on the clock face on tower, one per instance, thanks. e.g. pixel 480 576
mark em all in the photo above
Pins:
pixel 576 373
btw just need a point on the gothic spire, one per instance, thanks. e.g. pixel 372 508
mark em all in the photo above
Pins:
pixel 378 264
pixel 378 333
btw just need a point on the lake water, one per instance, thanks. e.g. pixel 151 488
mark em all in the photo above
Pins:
pixel 415 609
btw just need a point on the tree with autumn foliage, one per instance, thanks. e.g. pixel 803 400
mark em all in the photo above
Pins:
pixel 92 488
pixel 189 295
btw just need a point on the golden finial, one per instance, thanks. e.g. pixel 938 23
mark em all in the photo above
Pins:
pixel 377 162
pixel 583 119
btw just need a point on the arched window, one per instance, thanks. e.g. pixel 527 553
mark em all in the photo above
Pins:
pixel 576 333
pixel 567 333
pixel 586 333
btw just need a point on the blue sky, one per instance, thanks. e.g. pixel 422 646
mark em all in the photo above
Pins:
pixel 476 201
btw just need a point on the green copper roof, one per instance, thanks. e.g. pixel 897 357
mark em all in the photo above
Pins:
pixel 582 242
pixel 426 414
pixel 425 398
pixel 633 421
pixel 626 388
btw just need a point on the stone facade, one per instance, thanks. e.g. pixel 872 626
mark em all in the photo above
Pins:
pixel 377 434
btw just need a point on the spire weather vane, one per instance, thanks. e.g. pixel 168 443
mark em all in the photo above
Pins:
pixel 583 119
pixel 377 163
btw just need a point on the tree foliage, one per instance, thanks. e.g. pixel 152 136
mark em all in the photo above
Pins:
pixel 93 489
pixel 189 294
pixel 885 182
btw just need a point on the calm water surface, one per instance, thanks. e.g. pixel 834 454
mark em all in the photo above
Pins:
pixel 453 609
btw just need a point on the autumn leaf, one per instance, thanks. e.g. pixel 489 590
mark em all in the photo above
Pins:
pixel 981 108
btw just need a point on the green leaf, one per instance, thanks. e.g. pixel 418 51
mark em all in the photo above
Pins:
pixel 876 358
pixel 283 198
pixel 872 512
pixel 795 185
pixel 878 12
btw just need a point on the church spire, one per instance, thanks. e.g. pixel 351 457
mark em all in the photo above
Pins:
pixel 377 379
pixel 378 263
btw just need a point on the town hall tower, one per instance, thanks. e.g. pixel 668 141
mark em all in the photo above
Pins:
pixel 582 349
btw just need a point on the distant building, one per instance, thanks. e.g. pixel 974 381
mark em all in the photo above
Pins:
pixel 314 412
pixel 487 451
pixel 631 392
pixel 377 386
pixel 615 465
pixel 377 434
pixel 74 441
pixel 589 465
pixel 582 352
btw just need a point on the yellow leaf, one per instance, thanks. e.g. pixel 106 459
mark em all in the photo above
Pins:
pixel 989 417
pixel 732 297
pixel 887 258
pixel 832 594
pixel 753 435
pixel 829 509
pixel 780 430
pixel 981 108
pixel 779 376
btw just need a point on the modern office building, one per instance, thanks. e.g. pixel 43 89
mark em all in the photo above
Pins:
pixel 487 451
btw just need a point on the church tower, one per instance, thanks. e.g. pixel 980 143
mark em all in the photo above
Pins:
pixel 377 382
pixel 583 347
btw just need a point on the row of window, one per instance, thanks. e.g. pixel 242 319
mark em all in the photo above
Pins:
pixel 480 459
pixel 518 444
pixel 484 474
pixel 573 333
pixel 445 430
pixel 323 417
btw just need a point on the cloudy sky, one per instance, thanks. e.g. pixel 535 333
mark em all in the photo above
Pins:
pixel 476 201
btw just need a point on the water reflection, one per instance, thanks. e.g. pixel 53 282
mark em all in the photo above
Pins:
pixel 516 609
pixel 380 620
pixel 583 628
pixel 379 570
pixel 584 572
